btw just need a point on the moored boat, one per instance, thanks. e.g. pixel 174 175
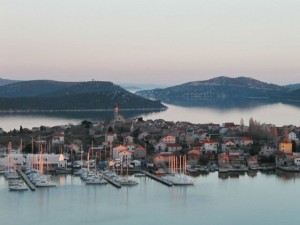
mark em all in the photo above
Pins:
pixel 18 187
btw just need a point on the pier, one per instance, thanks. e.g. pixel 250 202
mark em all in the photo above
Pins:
pixel 117 185
pixel 154 177
pixel 26 180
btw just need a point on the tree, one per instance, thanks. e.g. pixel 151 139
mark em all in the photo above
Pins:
pixel 294 146
pixel 242 125
pixel 86 124
pixel 110 130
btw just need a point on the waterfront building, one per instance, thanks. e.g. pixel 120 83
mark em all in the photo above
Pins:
pixel 286 147
pixel 209 146
pixel 194 155
pixel 126 157
pixel 267 150
pixel 284 159
pixel 49 161
pixel 162 159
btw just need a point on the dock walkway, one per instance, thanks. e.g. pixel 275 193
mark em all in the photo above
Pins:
pixel 26 180
pixel 109 180
pixel 154 177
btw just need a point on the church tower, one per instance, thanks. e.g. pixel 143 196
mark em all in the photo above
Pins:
pixel 116 112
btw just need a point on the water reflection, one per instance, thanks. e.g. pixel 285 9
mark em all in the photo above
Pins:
pixel 279 114
pixel 282 175
pixel 286 176
pixel 225 176
pixel 226 103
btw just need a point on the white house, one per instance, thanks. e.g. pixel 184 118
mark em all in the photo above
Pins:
pixel 297 162
pixel 292 136
pixel 227 145
pixel 169 139
pixel 125 156
pixel 58 138
pixel 245 142
pixel 267 150
pixel 210 146
pixel 128 140
pixel 174 147
pixel 203 136
pixel 160 147
pixel 110 137
pixel 117 150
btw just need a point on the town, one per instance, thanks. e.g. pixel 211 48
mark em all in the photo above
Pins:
pixel 157 146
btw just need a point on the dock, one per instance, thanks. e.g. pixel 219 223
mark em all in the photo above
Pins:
pixel 26 180
pixel 114 183
pixel 154 177
pixel 289 168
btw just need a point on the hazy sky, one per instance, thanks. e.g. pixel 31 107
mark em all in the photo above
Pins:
pixel 150 41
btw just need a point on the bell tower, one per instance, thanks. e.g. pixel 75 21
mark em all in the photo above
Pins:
pixel 116 112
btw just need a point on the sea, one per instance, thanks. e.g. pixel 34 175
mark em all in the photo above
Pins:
pixel 214 199
pixel 259 198
pixel 278 114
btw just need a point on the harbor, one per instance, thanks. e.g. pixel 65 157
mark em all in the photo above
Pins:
pixel 26 180
pixel 72 201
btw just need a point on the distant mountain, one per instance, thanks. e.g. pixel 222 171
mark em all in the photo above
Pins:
pixel 33 88
pixel 293 86
pixel 218 91
pixel 54 95
pixel 133 87
pixel 7 81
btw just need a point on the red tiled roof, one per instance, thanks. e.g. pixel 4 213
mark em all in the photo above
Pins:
pixel 246 139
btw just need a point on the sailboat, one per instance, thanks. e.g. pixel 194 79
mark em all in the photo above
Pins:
pixel 180 178
pixel 39 179
pixel 95 178
pixel 125 181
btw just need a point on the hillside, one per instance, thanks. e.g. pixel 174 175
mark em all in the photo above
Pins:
pixel 293 86
pixel 7 81
pixel 33 88
pixel 219 90
pixel 53 95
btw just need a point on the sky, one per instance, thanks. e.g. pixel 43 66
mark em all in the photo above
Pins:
pixel 150 41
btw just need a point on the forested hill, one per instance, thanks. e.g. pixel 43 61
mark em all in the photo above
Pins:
pixel 54 95
pixel 221 90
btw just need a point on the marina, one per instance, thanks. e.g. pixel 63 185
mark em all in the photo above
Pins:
pixel 157 178
pixel 111 181
pixel 212 200
pixel 26 180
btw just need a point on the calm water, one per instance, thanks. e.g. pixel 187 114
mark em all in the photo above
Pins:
pixel 278 114
pixel 263 199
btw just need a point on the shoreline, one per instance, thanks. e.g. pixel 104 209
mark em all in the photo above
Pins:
pixel 79 110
